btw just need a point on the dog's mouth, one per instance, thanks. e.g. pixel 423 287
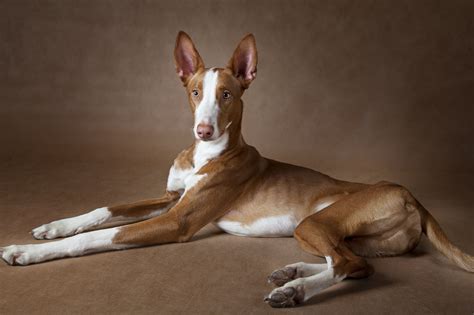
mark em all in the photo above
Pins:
pixel 213 138
pixel 206 140
pixel 221 138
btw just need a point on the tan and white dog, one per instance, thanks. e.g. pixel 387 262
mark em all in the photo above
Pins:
pixel 223 180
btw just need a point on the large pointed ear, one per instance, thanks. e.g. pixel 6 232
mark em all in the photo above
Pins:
pixel 244 61
pixel 186 57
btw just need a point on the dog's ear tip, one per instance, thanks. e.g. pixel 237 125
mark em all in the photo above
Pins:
pixel 249 37
pixel 182 34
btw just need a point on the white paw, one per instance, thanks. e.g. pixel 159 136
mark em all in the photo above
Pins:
pixel 20 254
pixel 71 226
pixel 60 228
pixel 281 276
pixel 287 295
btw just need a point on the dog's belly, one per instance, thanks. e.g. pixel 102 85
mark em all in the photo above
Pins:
pixel 275 220
pixel 271 226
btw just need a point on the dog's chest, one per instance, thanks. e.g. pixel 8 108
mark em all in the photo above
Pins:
pixel 183 177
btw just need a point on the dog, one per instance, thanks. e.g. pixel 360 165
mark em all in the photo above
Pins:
pixel 222 180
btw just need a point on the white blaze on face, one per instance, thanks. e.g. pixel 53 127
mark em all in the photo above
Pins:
pixel 208 110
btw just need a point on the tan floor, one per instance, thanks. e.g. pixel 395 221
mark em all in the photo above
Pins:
pixel 216 273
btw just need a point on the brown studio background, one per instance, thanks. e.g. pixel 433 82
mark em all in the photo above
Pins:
pixel 92 114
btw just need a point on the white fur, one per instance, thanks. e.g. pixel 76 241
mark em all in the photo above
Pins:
pixel 77 245
pixel 208 150
pixel 314 284
pixel 306 270
pixel 176 178
pixel 277 226
pixel 182 180
pixel 323 205
pixel 74 225
pixel 208 109
pixel 192 181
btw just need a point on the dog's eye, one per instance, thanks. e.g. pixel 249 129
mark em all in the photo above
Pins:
pixel 226 95
pixel 195 93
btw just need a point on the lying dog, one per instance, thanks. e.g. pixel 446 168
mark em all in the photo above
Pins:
pixel 223 180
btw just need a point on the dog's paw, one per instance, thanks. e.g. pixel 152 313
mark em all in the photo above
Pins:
pixel 55 229
pixel 285 296
pixel 281 276
pixel 19 254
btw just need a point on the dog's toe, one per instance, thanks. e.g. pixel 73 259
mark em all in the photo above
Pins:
pixel 285 297
pixel 50 231
pixel 281 276
pixel 9 254
pixel 19 254
pixel 39 233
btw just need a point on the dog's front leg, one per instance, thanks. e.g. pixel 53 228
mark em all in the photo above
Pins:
pixel 189 215
pixel 165 229
pixel 114 215
pixel 78 245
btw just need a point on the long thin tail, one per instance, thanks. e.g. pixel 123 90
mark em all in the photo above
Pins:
pixel 439 239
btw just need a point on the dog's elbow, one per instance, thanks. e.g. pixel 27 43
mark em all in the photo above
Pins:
pixel 185 232
pixel 183 238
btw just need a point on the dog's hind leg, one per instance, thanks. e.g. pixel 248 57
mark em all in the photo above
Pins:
pixel 294 271
pixel 380 212
pixel 341 263
pixel 107 216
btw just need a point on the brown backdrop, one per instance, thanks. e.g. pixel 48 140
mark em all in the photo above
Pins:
pixel 92 112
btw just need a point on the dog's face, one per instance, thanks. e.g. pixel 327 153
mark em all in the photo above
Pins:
pixel 214 93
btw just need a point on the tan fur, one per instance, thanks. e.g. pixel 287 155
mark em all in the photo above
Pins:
pixel 439 239
pixel 145 207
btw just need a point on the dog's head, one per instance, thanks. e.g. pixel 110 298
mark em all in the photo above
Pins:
pixel 214 93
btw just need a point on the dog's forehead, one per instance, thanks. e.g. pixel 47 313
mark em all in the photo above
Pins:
pixel 228 80
pixel 225 79
pixel 196 81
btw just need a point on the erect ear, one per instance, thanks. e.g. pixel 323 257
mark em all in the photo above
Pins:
pixel 244 61
pixel 186 57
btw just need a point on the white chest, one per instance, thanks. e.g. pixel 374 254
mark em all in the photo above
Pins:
pixel 183 179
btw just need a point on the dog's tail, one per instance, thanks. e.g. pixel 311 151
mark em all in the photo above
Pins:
pixel 438 238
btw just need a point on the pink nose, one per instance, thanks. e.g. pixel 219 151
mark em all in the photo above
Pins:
pixel 204 131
